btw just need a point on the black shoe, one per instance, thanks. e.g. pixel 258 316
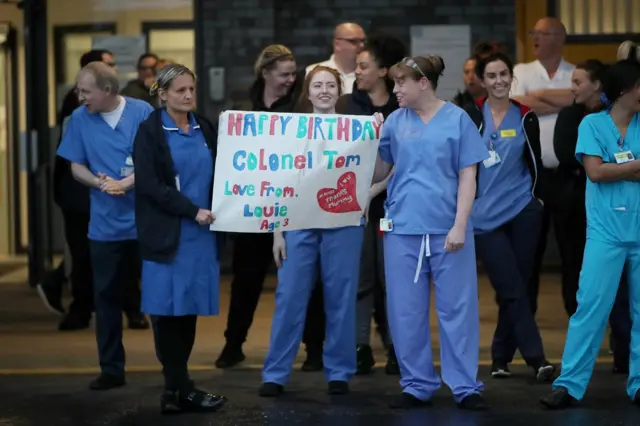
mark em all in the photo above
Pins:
pixel 365 361
pixel 313 361
pixel 558 399
pixel 473 402
pixel 406 401
pixel 544 372
pixel 621 369
pixel 392 368
pixel 500 370
pixel 73 322
pixel 51 296
pixel 200 401
pixel 230 356
pixel 270 390
pixel 137 321
pixel 170 403
pixel 106 382
pixel 338 387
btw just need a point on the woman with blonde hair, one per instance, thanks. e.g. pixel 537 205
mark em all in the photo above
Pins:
pixel 174 157
pixel 276 88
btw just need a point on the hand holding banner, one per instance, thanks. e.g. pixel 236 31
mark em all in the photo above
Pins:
pixel 292 171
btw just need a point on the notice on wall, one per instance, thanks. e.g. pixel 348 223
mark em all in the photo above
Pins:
pixel 292 171
pixel 452 43
pixel 126 51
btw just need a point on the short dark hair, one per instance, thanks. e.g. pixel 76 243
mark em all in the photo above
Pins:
pixel 145 56
pixel 595 68
pixel 486 48
pixel 620 78
pixel 93 56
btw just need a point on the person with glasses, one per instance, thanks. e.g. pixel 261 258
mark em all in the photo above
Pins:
pixel 348 41
pixel 435 148
pixel 140 88
pixel 507 216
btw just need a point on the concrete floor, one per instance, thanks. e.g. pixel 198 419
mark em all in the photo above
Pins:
pixel 44 376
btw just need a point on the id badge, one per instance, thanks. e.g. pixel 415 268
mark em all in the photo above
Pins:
pixel 624 157
pixel 386 225
pixel 126 171
pixel 493 159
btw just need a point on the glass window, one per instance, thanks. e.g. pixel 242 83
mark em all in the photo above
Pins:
pixel 176 45
pixel 594 17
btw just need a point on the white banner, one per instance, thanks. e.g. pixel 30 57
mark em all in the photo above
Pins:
pixel 292 171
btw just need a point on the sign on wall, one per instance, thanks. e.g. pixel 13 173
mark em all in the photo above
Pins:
pixel 292 171
pixel 453 44
pixel 126 51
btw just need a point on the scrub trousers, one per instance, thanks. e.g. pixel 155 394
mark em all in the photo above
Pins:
pixel 174 337
pixel 507 254
pixel 252 258
pixel 410 262
pixel 601 271
pixel 115 265
pixel 371 287
pixel 338 251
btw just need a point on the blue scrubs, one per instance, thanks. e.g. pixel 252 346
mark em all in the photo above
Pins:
pixel 338 251
pixel 422 203
pixel 613 240
pixel 507 221
pixel 189 284
pixel 91 141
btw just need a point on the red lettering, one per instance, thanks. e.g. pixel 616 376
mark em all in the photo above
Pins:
pixel 340 162
pixel 264 225
pixel 263 187
pixel 300 162
pixel 376 127
pixel 234 123
pixel 310 130
pixel 343 128
pixel 272 124
pixel 261 164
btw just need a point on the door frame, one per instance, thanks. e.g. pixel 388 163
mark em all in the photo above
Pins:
pixel 148 26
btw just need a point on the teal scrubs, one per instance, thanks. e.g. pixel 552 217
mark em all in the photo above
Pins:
pixel 613 241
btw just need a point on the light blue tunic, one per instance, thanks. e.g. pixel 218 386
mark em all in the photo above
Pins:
pixel 190 284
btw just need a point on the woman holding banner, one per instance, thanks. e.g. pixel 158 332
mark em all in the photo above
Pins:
pixel 296 254
pixel 174 156
pixel 435 148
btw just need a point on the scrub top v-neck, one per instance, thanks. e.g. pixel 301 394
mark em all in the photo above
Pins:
pixel 89 140
pixel 423 191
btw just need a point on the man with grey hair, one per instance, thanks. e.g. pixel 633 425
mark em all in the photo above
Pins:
pixel 98 141
pixel 348 41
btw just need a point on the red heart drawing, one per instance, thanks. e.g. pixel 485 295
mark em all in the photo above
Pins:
pixel 341 199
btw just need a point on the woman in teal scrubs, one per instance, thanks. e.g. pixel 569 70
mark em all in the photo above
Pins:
pixel 174 156
pixel 609 149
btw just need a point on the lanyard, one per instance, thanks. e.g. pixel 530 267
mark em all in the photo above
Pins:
pixel 620 143
pixel 493 137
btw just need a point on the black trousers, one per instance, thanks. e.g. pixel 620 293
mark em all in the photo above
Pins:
pixel 252 258
pixel 507 254
pixel 116 266
pixel 174 337
pixel 565 207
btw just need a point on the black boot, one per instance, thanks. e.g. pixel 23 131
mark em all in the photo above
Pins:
pixel 365 361
pixel 392 368
pixel 314 359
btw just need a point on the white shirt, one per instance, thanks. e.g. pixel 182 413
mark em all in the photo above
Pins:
pixel 112 118
pixel 347 79
pixel 533 76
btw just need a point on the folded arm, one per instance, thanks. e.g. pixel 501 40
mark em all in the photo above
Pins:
pixel 599 171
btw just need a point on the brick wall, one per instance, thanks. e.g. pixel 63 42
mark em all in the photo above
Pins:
pixel 231 33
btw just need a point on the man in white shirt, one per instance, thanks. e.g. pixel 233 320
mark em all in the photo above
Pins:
pixel 545 86
pixel 348 41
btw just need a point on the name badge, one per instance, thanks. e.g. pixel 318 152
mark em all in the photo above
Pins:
pixel 129 161
pixel 624 157
pixel 493 159
pixel 386 225
pixel 126 171
pixel 508 133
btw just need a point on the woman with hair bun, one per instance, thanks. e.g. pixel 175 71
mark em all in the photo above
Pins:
pixel 373 92
pixel 609 149
pixel 174 156
pixel 435 148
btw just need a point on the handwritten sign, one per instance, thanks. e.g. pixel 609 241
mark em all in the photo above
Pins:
pixel 292 171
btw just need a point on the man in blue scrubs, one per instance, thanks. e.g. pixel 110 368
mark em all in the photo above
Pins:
pixel 98 142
